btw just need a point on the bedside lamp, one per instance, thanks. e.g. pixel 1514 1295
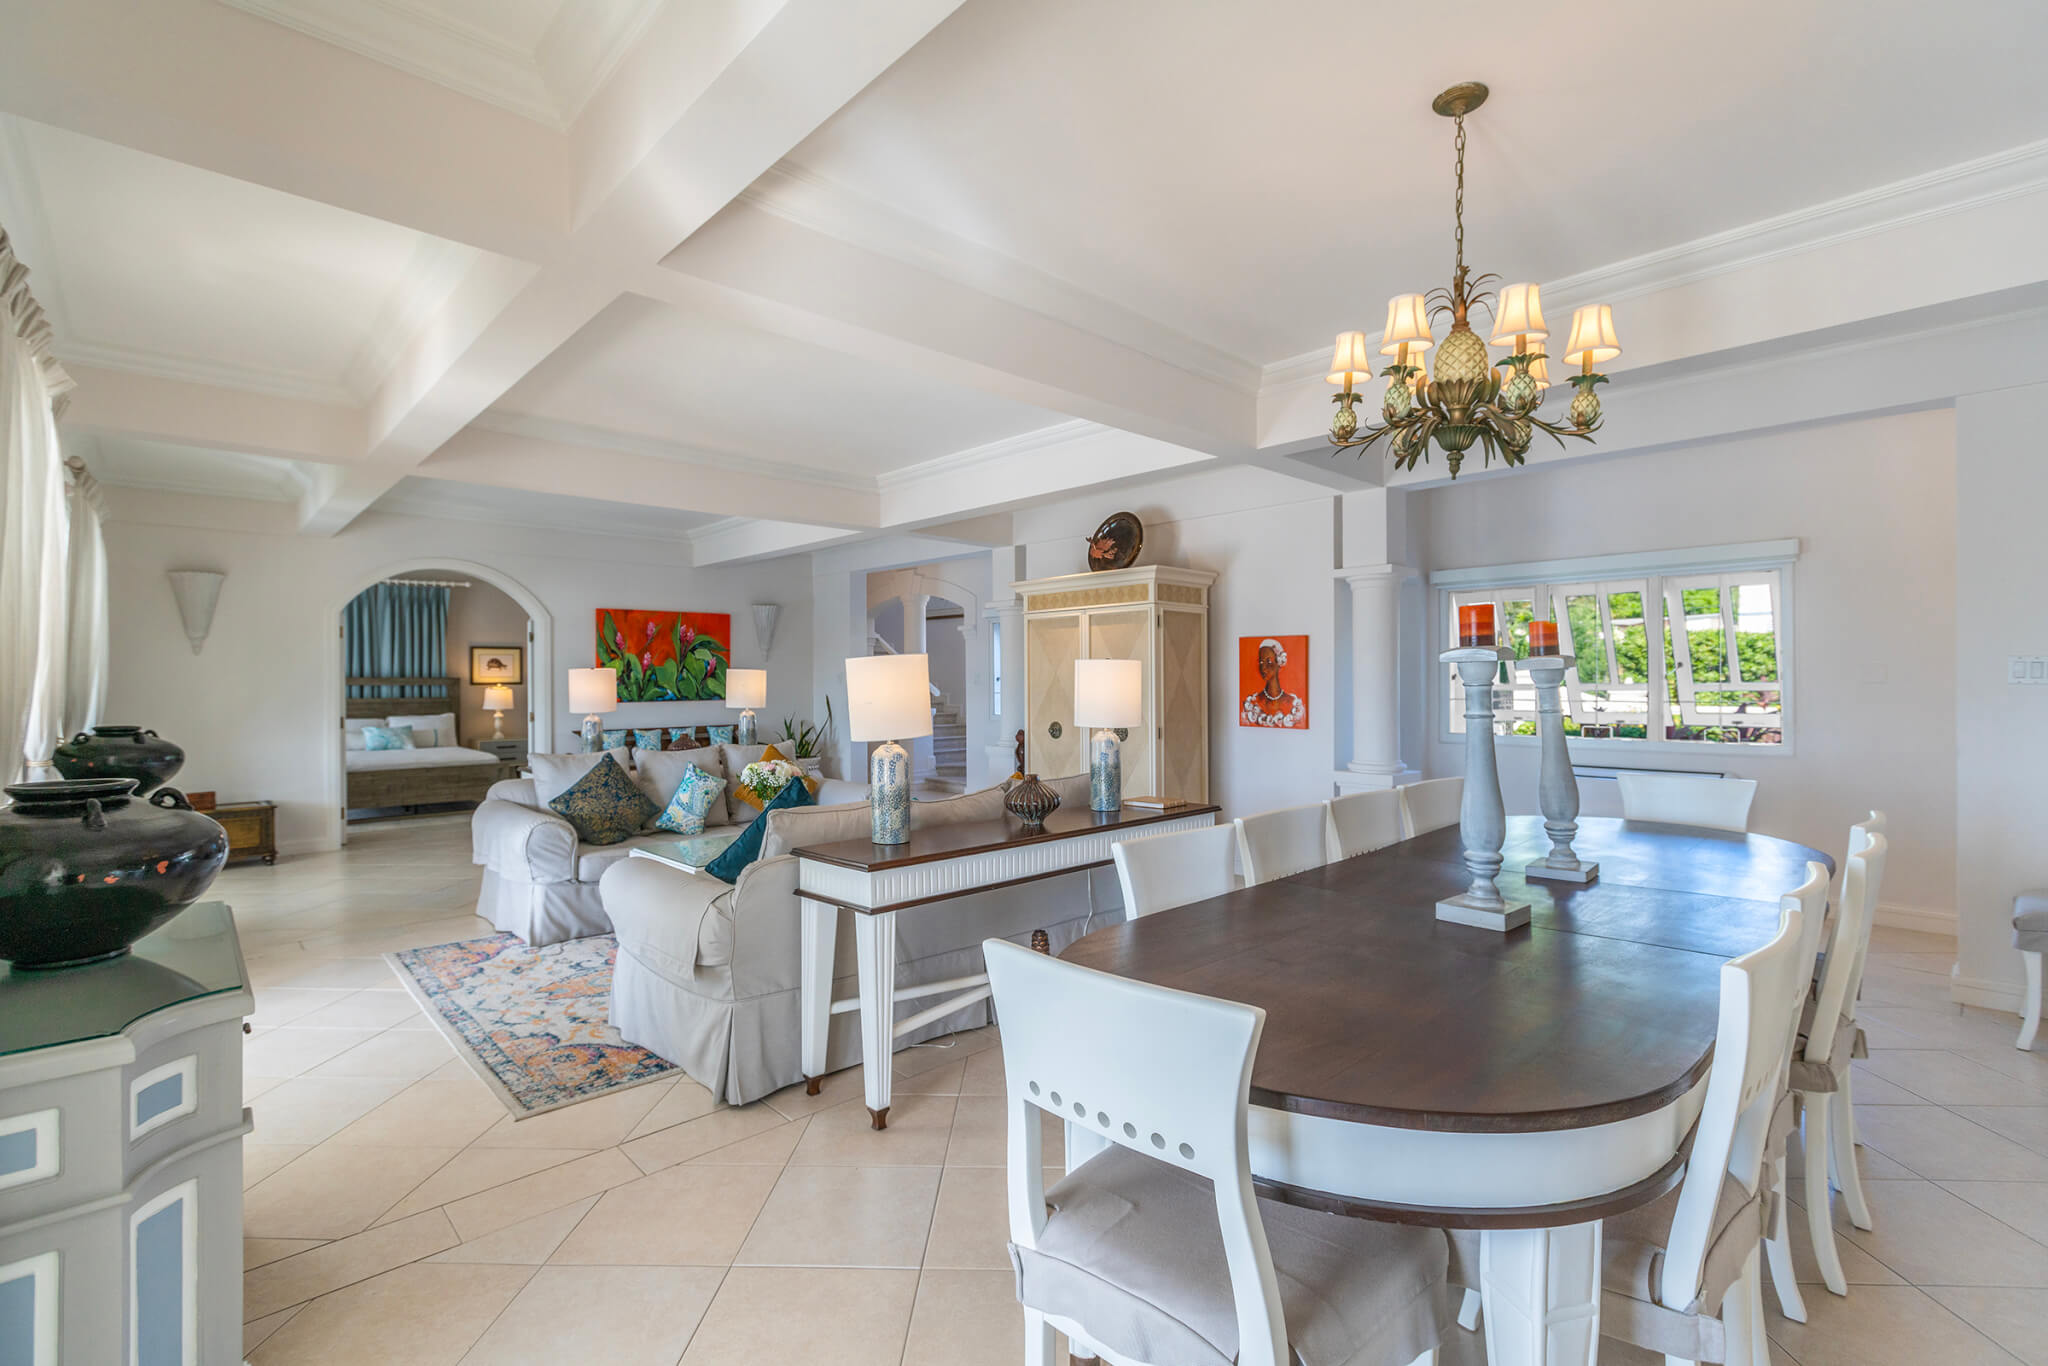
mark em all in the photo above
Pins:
pixel 497 701
pixel 593 692
pixel 1108 694
pixel 746 689
pixel 889 698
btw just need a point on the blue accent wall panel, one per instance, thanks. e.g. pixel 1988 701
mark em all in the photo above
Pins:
pixel 160 1287
pixel 157 1097
pixel 17 1153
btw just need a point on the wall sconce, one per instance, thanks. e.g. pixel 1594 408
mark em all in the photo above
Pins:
pixel 197 591
pixel 765 614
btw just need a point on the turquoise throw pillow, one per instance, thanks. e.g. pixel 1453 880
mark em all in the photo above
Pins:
pixel 647 739
pixel 604 805
pixel 616 739
pixel 387 737
pixel 722 735
pixel 692 800
pixel 744 850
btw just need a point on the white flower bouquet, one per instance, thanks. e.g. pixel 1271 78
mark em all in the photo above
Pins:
pixel 767 777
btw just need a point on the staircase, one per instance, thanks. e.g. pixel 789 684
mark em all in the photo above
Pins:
pixel 949 748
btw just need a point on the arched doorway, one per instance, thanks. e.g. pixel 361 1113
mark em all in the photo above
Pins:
pixel 540 701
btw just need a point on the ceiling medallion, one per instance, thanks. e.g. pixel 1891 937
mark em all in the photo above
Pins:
pixel 1467 400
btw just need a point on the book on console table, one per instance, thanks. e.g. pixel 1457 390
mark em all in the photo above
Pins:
pixel 1158 803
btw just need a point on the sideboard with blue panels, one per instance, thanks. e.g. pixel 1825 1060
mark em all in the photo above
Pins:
pixel 121 1122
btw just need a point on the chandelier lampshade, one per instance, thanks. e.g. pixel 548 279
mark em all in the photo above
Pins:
pixel 1593 339
pixel 1353 360
pixel 1407 325
pixel 1519 314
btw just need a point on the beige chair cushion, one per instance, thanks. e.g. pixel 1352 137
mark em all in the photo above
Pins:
pixel 1632 1274
pixel 2030 921
pixel 1133 1252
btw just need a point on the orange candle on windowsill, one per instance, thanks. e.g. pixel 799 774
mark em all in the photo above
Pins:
pixel 1475 625
pixel 1543 638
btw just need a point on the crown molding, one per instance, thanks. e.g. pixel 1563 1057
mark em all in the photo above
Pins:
pixel 578 434
pixel 192 370
pixel 447 506
pixel 991 453
pixel 549 85
pixel 810 201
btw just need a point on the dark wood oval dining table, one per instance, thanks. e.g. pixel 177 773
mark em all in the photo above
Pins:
pixel 1527 1084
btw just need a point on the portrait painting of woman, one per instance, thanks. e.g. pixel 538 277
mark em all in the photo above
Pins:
pixel 1273 680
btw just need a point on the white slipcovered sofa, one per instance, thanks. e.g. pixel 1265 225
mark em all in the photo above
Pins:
pixel 540 881
pixel 708 974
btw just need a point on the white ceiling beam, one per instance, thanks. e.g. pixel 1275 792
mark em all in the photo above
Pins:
pixel 738 540
pixel 188 413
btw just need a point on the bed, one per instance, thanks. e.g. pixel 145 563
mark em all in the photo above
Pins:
pixel 413 777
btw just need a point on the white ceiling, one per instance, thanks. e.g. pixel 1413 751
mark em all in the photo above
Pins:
pixel 130 462
pixel 711 388
pixel 147 264
pixel 417 497
pixel 1262 176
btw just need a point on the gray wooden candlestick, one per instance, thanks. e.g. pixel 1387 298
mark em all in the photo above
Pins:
pixel 1482 817
pixel 1557 789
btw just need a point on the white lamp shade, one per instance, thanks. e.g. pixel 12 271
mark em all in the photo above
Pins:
pixel 497 697
pixel 1353 359
pixel 593 691
pixel 888 697
pixel 1407 322
pixel 746 688
pixel 1109 693
pixel 1519 313
pixel 1593 336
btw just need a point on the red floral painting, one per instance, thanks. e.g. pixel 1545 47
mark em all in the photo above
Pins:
pixel 665 656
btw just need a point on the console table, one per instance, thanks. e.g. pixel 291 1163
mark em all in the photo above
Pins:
pixel 121 1122
pixel 939 863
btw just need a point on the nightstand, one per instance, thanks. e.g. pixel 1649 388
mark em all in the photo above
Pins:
pixel 251 827
pixel 511 751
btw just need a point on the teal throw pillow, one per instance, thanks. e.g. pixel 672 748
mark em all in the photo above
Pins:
pixel 604 805
pixel 744 850
pixel 616 739
pixel 722 735
pixel 647 739
pixel 387 737
pixel 692 800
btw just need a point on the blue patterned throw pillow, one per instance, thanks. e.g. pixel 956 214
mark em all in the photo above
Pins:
pixel 387 737
pixel 604 805
pixel 692 800
pixel 728 866
pixel 722 735
pixel 647 739
pixel 616 739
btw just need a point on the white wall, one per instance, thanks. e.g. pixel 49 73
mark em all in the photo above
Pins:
pixel 483 614
pixel 252 711
pixel 1271 541
pixel 1873 504
pixel 2001 730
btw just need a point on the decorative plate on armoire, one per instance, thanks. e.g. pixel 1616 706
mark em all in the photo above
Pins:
pixel 1116 543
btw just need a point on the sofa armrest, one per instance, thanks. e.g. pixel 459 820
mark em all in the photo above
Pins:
pixel 523 842
pixel 517 790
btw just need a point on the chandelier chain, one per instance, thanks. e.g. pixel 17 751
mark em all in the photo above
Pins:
pixel 1458 207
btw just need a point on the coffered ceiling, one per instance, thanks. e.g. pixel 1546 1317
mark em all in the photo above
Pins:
pixel 802 270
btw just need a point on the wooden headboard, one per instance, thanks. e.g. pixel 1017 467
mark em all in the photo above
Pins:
pixel 402 706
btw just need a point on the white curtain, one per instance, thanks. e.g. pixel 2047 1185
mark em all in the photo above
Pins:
pixel 85 655
pixel 34 528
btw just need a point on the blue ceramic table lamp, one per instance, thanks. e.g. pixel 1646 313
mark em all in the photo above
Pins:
pixel 889 698
pixel 1109 696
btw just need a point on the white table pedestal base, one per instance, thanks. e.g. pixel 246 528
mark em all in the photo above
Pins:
pixel 1501 915
pixel 1578 871
pixel 1541 1293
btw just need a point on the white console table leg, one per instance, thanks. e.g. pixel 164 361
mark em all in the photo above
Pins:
pixel 1541 1292
pixel 819 947
pixel 874 939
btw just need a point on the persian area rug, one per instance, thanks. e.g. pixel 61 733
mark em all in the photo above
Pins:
pixel 529 1021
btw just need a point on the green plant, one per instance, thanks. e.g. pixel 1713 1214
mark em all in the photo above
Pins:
pixel 694 670
pixel 809 741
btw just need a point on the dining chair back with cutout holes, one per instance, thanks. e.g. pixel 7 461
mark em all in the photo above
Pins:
pixel 1431 805
pixel 1681 1275
pixel 1277 844
pixel 1687 799
pixel 1157 1249
pixel 1159 872
pixel 1810 898
pixel 1361 822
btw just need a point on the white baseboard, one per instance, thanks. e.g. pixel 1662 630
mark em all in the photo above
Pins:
pixel 1985 992
pixel 1916 918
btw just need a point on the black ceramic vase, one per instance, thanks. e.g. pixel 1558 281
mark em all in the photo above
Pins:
pixel 120 752
pixel 1031 801
pixel 87 868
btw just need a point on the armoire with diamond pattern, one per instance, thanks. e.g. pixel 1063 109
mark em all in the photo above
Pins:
pixel 1156 614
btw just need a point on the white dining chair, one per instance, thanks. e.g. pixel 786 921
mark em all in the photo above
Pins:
pixel 1156 1249
pixel 1159 872
pixel 1810 899
pixel 1687 799
pixel 1821 1072
pixel 1682 1275
pixel 1431 804
pixel 1361 822
pixel 1277 844
pixel 2030 937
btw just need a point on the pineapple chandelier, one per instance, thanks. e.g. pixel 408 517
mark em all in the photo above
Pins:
pixel 1468 400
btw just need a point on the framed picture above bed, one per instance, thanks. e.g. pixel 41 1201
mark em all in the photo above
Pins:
pixel 505 664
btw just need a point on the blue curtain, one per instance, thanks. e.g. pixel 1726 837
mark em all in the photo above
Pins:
pixel 397 630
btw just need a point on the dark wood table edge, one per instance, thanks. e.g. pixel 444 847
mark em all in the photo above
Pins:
pixel 1531 1122
pixel 1022 835
pixel 1590 1209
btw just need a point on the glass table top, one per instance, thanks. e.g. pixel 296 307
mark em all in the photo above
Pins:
pixel 689 854
pixel 194 954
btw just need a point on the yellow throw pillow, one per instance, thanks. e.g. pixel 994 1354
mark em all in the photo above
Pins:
pixel 748 797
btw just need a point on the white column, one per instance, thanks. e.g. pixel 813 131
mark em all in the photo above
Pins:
pixel 1375 678
pixel 914 605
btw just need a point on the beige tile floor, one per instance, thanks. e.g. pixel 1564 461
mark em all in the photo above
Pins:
pixel 395 1213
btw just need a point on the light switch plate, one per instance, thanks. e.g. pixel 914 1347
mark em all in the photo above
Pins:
pixel 2030 670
